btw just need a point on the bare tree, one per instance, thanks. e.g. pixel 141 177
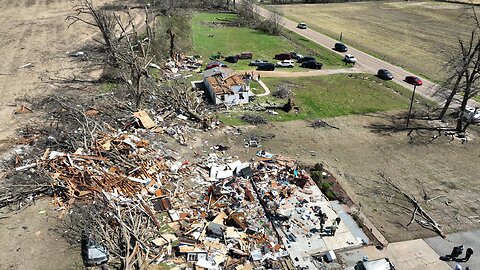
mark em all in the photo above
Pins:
pixel 102 20
pixel 464 70
pixel 248 11
pixel 457 66
pixel 121 37
pixel 276 22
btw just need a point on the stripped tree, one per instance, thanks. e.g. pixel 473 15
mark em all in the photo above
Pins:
pixel 464 74
pixel 127 48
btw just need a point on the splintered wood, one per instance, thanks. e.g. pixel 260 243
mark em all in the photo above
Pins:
pixel 116 165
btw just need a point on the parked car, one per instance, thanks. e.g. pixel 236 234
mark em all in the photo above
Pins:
pixel 266 66
pixel 350 59
pixel 340 47
pixel 296 55
pixel 312 64
pixel 231 59
pixel 413 80
pixel 283 56
pixel 379 264
pixel 286 63
pixel 245 55
pixel 215 64
pixel 257 62
pixel 306 59
pixel 93 253
pixel 302 26
pixel 384 74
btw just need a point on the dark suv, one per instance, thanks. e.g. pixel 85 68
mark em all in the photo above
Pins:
pixel 340 47
pixel 283 56
pixel 231 59
pixel 306 59
pixel 266 66
pixel 384 74
pixel 312 64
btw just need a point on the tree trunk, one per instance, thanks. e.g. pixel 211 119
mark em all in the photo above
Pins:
pixel 172 43
pixel 138 92
pixel 450 98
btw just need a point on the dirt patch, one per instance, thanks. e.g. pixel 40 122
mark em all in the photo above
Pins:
pixel 31 240
pixel 356 154
pixel 35 39
pixel 35 35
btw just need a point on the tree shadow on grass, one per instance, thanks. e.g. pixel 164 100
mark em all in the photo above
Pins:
pixel 422 128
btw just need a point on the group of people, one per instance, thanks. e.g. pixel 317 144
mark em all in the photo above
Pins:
pixel 250 76
pixel 323 219
pixel 456 253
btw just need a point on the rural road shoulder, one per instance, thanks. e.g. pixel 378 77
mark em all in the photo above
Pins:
pixel 365 62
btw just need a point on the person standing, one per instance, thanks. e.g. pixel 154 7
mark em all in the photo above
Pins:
pixel 337 220
pixel 333 230
pixel 468 254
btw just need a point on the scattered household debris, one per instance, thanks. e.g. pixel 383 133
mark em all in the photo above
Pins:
pixel 319 123
pixel 28 65
pixel 23 109
pixel 282 92
pixel 76 54
pixel 205 213
pixel 253 119
pixel 175 68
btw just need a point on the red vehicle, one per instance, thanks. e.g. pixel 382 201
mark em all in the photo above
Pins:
pixel 413 80
pixel 245 55
pixel 283 56
pixel 215 64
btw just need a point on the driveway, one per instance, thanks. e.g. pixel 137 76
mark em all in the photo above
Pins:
pixel 365 62
pixel 467 239
pixel 407 255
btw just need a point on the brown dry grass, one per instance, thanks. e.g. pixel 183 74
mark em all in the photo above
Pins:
pixel 409 34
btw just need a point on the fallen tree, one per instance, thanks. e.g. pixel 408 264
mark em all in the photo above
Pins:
pixel 425 219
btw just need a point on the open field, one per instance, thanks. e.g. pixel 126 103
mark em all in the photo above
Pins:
pixel 211 35
pixel 409 34
pixel 335 95
pixel 358 152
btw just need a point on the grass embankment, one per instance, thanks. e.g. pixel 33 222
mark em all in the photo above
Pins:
pixel 333 95
pixel 409 34
pixel 213 32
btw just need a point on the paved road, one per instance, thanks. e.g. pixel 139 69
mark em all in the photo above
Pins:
pixel 365 62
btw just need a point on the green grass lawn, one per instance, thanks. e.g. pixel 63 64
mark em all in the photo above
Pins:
pixel 334 95
pixel 231 40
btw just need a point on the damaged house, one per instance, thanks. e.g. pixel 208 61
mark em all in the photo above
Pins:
pixel 223 85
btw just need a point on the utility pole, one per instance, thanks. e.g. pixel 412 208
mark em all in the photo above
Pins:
pixel 411 104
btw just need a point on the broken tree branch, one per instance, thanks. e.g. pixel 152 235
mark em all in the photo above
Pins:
pixel 430 223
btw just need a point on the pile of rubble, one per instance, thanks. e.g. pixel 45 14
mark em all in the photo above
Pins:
pixel 215 213
pixel 208 212
pixel 175 66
